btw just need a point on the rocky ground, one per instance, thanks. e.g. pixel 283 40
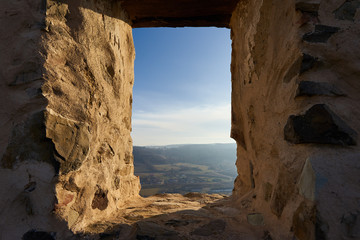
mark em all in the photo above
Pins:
pixel 177 217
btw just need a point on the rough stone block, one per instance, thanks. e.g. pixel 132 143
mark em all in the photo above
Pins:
pixel 321 34
pixel 309 89
pixel 71 140
pixel 38 235
pixel 319 125
pixel 308 62
pixel 347 10
pixel 29 142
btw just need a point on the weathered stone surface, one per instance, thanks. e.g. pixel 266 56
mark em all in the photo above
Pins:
pixel 307 182
pixel 307 6
pixel 151 230
pixel 38 235
pixel 214 227
pixel 308 62
pixel 37 147
pixel 319 125
pixel 293 70
pixel 255 219
pixel 321 34
pixel 89 47
pixel 71 140
pixel 285 188
pixel 347 10
pixel 78 66
pixel 303 222
pixel 100 200
pixel 309 89
pixel 160 13
pixel 351 224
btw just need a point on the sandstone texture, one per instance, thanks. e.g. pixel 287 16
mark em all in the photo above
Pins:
pixel 67 81
pixel 66 164
pixel 295 114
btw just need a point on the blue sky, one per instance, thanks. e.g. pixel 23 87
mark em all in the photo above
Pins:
pixel 182 86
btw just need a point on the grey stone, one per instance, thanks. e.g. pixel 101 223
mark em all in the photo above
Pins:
pixel 38 235
pixel 29 142
pixel 321 34
pixel 308 88
pixel 347 10
pixel 319 125
pixel 308 62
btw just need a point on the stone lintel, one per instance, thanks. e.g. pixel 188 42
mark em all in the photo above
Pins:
pixel 179 13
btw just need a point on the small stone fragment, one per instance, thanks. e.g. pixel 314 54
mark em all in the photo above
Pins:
pixel 309 89
pixel 255 219
pixel 347 10
pixel 319 125
pixel 321 34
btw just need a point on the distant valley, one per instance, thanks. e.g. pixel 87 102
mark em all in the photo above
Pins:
pixel 207 168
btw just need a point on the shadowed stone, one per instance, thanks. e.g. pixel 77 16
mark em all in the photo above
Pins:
pixel 293 70
pixel 307 88
pixel 35 235
pixel 29 142
pixel 151 230
pixel 319 125
pixel 308 62
pixel 160 13
pixel 212 228
pixel 321 34
pixel 100 200
pixel 303 222
pixel 307 7
pixel 285 187
pixel 348 10
pixel 27 77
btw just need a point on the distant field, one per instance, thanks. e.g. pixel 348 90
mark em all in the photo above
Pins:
pixel 186 168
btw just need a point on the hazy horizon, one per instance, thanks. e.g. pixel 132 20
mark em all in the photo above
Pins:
pixel 182 86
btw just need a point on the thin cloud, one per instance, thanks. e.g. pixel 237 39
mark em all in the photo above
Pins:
pixel 199 124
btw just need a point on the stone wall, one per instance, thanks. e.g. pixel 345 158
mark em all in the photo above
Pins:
pixel 67 76
pixel 66 91
pixel 295 115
